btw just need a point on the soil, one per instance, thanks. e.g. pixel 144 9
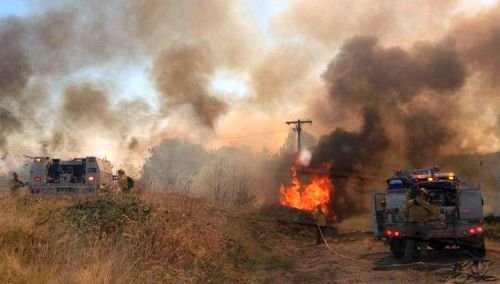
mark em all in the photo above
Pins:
pixel 352 257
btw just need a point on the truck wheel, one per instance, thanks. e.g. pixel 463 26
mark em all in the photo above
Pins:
pixel 397 247
pixel 474 245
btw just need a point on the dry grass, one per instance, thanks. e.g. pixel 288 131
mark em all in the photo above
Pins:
pixel 127 239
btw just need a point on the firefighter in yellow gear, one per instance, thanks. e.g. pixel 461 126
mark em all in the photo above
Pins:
pixel 417 211
pixel 15 184
pixel 123 181
pixel 320 221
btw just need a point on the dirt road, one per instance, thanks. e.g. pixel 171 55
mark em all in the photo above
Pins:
pixel 356 256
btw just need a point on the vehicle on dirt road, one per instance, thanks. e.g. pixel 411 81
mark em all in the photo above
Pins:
pixel 457 218
pixel 77 175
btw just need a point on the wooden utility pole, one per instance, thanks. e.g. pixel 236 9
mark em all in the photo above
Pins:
pixel 298 128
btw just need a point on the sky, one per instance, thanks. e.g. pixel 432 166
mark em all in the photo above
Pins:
pixel 133 79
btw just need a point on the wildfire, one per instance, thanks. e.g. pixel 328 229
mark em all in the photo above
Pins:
pixel 308 196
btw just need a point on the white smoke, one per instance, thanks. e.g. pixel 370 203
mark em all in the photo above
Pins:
pixel 305 157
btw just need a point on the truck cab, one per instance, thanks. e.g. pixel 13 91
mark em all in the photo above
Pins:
pixel 457 217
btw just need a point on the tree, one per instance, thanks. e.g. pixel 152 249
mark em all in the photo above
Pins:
pixel 216 180
pixel 244 195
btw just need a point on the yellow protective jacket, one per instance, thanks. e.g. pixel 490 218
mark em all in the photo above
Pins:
pixel 15 185
pixel 123 182
pixel 418 210
pixel 319 218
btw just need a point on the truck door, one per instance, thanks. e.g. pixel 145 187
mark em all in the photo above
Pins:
pixel 378 213
pixel 37 172
pixel 471 204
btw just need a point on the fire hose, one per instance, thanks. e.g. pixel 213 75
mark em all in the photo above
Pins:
pixel 468 271
pixel 336 252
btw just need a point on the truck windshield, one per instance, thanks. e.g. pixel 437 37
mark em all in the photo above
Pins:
pixel 441 193
pixel 443 197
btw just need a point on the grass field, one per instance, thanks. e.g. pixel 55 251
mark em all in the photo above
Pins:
pixel 140 239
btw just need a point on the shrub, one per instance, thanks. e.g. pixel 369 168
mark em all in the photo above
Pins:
pixel 107 215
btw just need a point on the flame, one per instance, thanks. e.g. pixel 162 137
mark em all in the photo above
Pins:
pixel 307 196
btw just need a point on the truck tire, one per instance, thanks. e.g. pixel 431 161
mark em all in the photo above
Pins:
pixel 397 247
pixel 474 245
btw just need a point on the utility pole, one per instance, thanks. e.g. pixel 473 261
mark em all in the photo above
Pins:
pixel 298 128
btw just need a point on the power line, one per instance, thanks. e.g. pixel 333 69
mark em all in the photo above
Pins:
pixel 117 147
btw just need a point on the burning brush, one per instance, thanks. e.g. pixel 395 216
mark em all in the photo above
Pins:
pixel 306 196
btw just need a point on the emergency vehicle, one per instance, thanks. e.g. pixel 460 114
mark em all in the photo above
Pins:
pixel 77 175
pixel 457 218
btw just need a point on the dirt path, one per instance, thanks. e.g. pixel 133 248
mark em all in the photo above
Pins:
pixel 317 264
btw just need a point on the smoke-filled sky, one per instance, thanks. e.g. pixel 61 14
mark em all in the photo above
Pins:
pixel 115 78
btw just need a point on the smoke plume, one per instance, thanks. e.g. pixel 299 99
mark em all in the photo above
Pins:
pixel 354 154
pixel 392 80
pixel 182 74
pixel 385 88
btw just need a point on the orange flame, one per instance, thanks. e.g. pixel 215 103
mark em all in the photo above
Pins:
pixel 308 196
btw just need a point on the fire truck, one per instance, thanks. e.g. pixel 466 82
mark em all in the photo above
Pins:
pixel 457 218
pixel 77 175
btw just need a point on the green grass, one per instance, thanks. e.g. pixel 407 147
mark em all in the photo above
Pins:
pixel 272 261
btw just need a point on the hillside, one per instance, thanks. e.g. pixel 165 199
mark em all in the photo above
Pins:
pixel 155 238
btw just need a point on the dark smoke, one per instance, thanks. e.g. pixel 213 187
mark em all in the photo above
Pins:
pixel 478 39
pixel 354 151
pixel 85 105
pixel 15 69
pixel 181 74
pixel 14 74
pixel 53 143
pixel 391 80
pixel 426 133
pixel 387 85
pixel 8 124
pixel 441 68
pixel 364 73
pixel 351 154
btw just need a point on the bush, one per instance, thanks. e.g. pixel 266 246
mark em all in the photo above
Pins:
pixel 107 215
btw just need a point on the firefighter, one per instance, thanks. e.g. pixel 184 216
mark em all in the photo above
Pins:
pixel 320 221
pixel 123 181
pixel 418 211
pixel 15 184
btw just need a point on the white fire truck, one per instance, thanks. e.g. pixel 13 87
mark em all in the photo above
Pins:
pixel 77 175
pixel 457 218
